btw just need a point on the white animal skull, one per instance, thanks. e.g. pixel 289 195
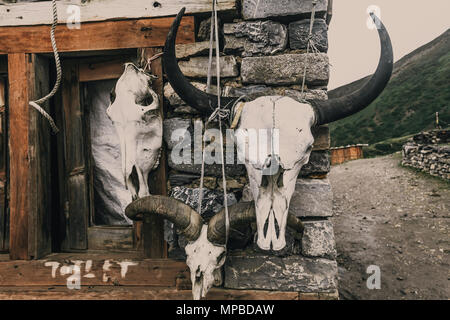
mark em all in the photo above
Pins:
pixel 291 120
pixel 134 110
pixel 204 260
pixel 206 250
pixel 273 172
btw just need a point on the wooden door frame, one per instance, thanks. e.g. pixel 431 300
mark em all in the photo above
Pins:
pixel 27 206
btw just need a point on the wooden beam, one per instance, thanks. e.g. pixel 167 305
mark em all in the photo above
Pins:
pixel 153 229
pixel 104 70
pixel 104 270
pixel 22 14
pixel 18 155
pixel 146 293
pixel 110 238
pixel 94 36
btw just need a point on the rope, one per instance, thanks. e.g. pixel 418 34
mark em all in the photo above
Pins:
pixel 147 63
pixel 219 113
pixel 36 104
pixel 310 45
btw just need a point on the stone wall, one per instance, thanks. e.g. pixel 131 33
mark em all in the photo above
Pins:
pixel 429 152
pixel 264 52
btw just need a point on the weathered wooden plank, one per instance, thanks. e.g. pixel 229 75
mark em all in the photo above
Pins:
pixel 154 228
pixel 110 237
pixel 4 233
pixel 60 227
pixel 104 70
pixel 39 219
pixel 95 36
pixel 144 293
pixel 19 157
pixel 75 159
pixel 110 270
pixel 89 160
pixel 21 14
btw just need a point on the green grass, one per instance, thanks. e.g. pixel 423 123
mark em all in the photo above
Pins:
pixel 385 147
pixel 407 105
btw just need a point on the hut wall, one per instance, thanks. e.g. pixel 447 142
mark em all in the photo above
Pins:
pixel 264 51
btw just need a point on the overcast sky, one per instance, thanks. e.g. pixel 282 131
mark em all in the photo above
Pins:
pixel 354 49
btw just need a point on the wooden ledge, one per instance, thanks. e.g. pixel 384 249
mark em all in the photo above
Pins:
pixel 108 35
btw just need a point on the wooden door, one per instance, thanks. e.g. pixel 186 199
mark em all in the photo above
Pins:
pixel 74 197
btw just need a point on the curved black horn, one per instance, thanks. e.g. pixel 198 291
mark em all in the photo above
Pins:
pixel 341 107
pixel 241 214
pixel 184 217
pixel 203 102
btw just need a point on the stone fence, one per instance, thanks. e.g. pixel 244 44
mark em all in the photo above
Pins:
pixel 429 152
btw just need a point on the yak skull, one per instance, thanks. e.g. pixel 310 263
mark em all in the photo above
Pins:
pixel 274 168
pixel 134 110
pixel 290 120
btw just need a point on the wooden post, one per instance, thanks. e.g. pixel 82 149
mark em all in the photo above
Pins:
pixel 154 245
pixel 29 147
pixel 19 158
pixel 4 218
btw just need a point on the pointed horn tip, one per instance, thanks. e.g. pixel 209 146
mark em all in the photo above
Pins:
pixel 374 17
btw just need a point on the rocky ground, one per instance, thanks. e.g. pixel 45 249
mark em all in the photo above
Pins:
pixel 395 218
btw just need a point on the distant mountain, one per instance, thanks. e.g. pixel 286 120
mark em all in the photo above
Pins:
pixel 419 87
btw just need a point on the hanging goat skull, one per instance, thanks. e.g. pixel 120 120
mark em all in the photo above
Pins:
pixel 272 189
pixel 206 250
pixel 134 110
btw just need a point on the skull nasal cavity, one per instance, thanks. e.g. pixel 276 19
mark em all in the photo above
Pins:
pixel 266 227
pixel 277 228
pixel 135 179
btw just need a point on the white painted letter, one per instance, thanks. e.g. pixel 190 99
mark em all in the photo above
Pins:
pixel 374 281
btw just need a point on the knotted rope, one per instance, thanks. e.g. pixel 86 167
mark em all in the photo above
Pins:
pixel 36 104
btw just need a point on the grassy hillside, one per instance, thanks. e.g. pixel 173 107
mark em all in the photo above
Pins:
pixel 419 87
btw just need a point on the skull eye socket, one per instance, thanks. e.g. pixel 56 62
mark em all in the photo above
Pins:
pixel 144 100
pixel 221 258
pixel 112 95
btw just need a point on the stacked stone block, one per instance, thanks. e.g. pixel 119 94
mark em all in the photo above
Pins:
pixel 264 53
pixel 429 152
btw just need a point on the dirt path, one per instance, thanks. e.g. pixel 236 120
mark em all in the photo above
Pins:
pixel 394 218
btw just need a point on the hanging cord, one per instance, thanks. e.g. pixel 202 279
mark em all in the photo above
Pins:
pixel 310 45
pixel 36 104
pixel 147 63
pixel 218 113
